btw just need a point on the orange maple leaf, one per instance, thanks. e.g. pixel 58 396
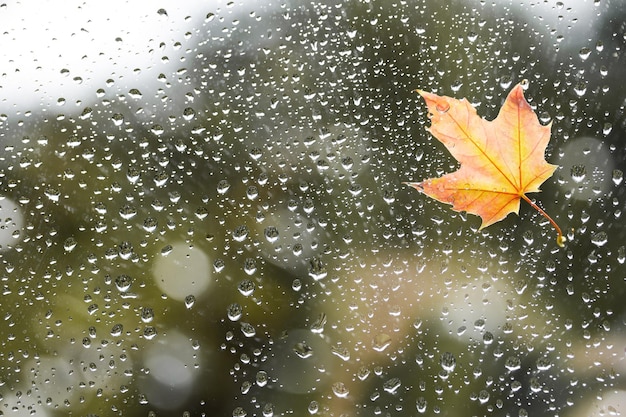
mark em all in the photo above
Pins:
pixel 501 160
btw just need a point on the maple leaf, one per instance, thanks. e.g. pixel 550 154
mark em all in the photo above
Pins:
pixel 501 160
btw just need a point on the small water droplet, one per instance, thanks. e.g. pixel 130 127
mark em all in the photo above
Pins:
pixel 340 389
pixel 381 342
pixel 599 239
pixel 69 244
pixel 392 385
pixel 246 287
pixel 584 53
pixel 123 282
pixel 247 329
pixel 271 234
pixel 580 88
pixel 190 300
pixel 222 186
pixel 448 361
pixel 578 172
pixel 189 113
pixel 234 312
pixel 240 233
pixel 117 330
pixel 618 176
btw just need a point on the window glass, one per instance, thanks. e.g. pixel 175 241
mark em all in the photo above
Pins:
pixel 202 210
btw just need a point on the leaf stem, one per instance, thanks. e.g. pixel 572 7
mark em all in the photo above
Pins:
pixel 560 239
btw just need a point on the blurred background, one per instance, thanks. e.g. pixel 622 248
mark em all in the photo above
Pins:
pixel 203 213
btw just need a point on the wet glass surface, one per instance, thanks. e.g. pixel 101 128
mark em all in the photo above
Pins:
pixel 202 211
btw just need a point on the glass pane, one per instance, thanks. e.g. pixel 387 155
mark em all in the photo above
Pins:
pixel 204 212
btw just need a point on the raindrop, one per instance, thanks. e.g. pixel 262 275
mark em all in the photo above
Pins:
pixel 190 301
pixel 580 88
pixel 363 373
pixel 421 404
pixel 127 212
pixel 578 172
pixel 599 239
pixel 512 363
pixel 150 224
pixel 392 385
pixel 318 325
pixel 256 153
pixel 134 93
pixel 123 282
pixel 247 329
pixel 147 314
pixel 249 266
pixel 246 287
pixel 381 342
pixel 483 396
pixel 252 192
pixel 584 53
pixel 303 350
pixel 69 244
pixel 219 265
pixel 340 390
pixel 234 312
pixel 271 234
pixel 448 361
pixel 149 332
pixel 117 330
pixel 261 378
pixel 313 407
pixel 268 410
pixel 317 270
pixel 240 233
pixel 189 113
pixel 239 412
pixel 222 186
pixel 618 176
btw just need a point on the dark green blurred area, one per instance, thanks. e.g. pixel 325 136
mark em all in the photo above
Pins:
pixel 269 165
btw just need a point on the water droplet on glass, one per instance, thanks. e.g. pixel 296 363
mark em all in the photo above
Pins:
pixel 317 270
pixel 189 113
pixel 303 350
pixel 340 389
pixel 117 330
pixel 247 329
pixel 421 404
pixel 271 234
pixel 123 282
pixel 246 287
pixel 313 407
pixel 392 385
pixel 249 266
pixel 219 265
pixel 381 342
pixel 239 412
pixel 234 312
pixel 483 396
pixel 147 314
pixel 190 301
pixel 222 186
pixel 252 192
pixel 261 378
pixel 149 332
pixel 618 176
pixel 240 233
pixel 512 363
pixel 69 244
pixel 448 361
pixel 150 224
pixel 599 239
pixel 578 173
pixel 580 88
pixel 584 53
